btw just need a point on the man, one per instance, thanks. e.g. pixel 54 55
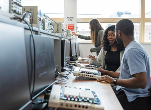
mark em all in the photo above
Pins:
pixel 133 81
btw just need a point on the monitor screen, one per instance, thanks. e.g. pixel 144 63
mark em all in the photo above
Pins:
pixel 14 86
pixel 44 62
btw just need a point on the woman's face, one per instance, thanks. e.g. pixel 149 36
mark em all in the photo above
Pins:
pixel 111 37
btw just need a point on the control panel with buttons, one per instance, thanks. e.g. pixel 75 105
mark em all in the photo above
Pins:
pixel 74 98
pixel 90 73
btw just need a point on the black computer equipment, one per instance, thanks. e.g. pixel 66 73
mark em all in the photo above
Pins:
pixel 44 75
pixel 77 49
pixel 14 89
pixel 73 47
pixel 65 52
pixel 73 50
pixel 27 106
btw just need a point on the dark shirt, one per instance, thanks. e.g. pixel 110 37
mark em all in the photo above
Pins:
pixel 112 60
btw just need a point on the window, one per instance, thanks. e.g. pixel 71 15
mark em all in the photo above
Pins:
pixel 108 8
pixel 53 8
pixel 147 32
pixel 147 8
pixel 83 29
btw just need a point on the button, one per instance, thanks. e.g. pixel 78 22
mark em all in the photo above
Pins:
pixel 80 99
pixel 76 99
pixel 90 101
pixel 85 100
pixel 67 96
pixel 63 98
pixel 72 99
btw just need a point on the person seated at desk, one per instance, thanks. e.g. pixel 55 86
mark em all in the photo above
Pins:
pixel 111 53
pixel 133 81
pixel 96 35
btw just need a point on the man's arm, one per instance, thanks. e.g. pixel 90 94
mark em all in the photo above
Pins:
pixel 138 80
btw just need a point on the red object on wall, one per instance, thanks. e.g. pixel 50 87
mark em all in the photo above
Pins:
pixel 71 27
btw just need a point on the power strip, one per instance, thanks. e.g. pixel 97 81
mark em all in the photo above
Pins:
pixel 90 73
pixel 74 98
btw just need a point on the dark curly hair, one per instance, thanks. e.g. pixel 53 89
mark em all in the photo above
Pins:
pixel 105 43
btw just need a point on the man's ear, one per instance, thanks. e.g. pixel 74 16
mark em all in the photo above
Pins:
pixel 119 33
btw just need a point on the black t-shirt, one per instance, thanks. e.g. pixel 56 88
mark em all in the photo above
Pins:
pixel 112 60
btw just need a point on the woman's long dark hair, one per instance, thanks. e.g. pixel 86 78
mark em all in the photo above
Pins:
pixel 105 43
pixel 95 28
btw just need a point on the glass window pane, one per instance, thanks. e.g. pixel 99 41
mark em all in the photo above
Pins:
pixel 147 32
pixel 49 7
pixel 108 8
pixel 148 8
pixel 83 29
pixel 136 31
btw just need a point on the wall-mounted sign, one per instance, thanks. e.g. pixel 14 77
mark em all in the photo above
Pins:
pixel 71 27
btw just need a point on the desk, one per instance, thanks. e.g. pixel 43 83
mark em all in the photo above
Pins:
pixel 103 91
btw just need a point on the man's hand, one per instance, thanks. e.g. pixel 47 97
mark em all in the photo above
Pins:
pixel 91 57
pixel 106 79
pixel 103 72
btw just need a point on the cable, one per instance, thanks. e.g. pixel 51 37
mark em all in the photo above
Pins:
pixel 33 59
pixel 32 63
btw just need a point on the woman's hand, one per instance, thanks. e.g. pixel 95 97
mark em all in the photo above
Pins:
pixel 106 79
pixel 91 57
pixel 103 72
pixel 75 34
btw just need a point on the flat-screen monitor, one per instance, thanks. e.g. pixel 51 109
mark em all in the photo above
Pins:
pixel 73 47
pixel 44 62
pixel 77 49
pixel 14 86
pixel 27 106
pixel 65 52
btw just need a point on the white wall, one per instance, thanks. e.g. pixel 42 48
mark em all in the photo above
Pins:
pixel 85 49
pixel 4 4
pixel 147 47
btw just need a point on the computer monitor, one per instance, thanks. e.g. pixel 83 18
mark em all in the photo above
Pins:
pixel 14 86
pixel 73 44
pixel 77 49
pixel 27 106
pixel 57 52
pixel 65 52
pixel 44 62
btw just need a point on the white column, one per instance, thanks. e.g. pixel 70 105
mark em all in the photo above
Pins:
pixel 70 14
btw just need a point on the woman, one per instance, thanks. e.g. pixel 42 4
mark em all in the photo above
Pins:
pixel 111 53
pixel 96 35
